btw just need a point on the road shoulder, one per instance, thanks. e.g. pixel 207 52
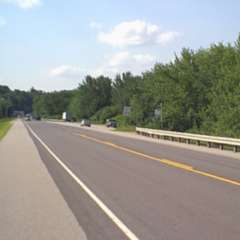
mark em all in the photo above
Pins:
pixel 31 205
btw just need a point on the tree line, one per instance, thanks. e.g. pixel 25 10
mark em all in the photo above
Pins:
pixel 199 91
pixel 16 100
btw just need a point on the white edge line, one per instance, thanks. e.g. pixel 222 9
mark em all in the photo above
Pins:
pixel 104 208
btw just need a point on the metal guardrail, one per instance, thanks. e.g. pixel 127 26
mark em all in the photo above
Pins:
pixel 210 141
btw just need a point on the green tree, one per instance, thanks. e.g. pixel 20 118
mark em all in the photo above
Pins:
pixel 92 95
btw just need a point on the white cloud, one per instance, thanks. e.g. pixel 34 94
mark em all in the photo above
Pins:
pixel 136 33
pixel 166 37
pixel 25 4
pixel 95 25
pixel 3 22
pixel 67 71
pixel 112 65
pixel 125 61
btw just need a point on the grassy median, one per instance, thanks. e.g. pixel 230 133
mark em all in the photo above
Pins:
pixel 128 128
pixel 5 124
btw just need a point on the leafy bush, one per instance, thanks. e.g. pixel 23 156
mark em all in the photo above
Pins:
pixel 104 113
pixel 122 120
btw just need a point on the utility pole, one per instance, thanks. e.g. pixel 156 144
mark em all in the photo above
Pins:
pixel 161 114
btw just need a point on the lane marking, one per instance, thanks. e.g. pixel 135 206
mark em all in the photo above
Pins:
pixel 96 199
pixel 171 163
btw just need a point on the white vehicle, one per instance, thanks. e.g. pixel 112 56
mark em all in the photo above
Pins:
pixel 65 116
pixel 28 117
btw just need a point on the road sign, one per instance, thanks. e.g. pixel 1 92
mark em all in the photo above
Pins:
pixel 157 112
pixel 126 110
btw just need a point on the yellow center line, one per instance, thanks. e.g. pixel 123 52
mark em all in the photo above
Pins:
pixel 171 163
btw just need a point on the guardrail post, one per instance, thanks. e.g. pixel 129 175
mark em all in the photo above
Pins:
pixel 221 146
pixel 235 148
pixel 209 144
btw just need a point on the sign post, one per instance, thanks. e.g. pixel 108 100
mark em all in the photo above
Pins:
pixel 158 113
pixel 126 110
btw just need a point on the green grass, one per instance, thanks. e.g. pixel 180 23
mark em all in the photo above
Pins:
pixel 5 124
pixel 127 128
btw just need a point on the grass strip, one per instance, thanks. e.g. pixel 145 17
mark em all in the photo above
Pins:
pixel 126 128
pixel 5 124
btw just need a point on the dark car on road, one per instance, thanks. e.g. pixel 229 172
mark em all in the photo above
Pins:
pixel 111 123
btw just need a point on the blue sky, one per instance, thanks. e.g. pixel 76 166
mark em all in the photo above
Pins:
pixel 52 45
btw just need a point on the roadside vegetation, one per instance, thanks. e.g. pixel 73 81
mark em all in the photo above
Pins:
pixel 199 91
pixel 5 125
pixel 128 128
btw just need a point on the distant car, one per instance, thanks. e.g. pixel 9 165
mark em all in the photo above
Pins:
pixel 28 118
pixel 86 123
pixel 38 118
pixel 111 123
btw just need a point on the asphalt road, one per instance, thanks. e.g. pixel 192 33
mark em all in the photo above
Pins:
pixel 156 191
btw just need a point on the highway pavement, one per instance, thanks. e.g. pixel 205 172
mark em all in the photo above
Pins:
pixel 122 188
